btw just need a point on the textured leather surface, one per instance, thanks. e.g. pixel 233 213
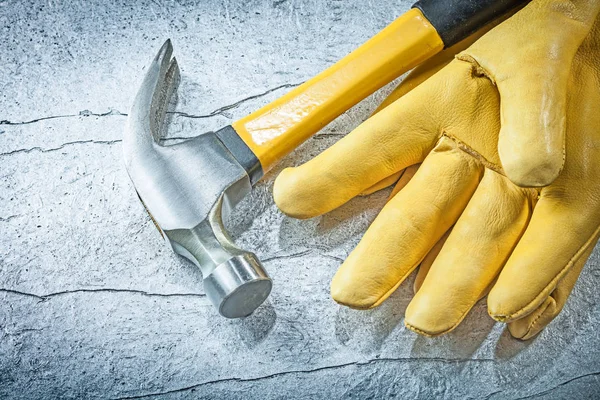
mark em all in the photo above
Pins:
pixel 534 242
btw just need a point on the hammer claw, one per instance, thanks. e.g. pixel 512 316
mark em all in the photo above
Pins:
pixel 147 115
pixel 164 53
pixel 163 94
pixel 166 83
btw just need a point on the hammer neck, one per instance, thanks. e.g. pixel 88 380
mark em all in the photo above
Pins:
pixel 241 152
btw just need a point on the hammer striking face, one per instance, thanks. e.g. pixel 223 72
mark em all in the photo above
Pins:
pixel 189 186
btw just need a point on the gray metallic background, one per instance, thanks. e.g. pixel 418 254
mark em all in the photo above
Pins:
pixel 92 303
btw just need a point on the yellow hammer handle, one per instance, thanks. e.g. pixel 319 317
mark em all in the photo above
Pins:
pixel 278 128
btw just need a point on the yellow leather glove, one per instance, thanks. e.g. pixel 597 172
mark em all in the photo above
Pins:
pixel 534 242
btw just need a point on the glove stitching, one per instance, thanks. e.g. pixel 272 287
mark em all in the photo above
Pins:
pixel 429 334
pixel 476 68
pixel 460 319
pixel 533 193
pixel 473 153
pixel 532 324
pixel 419 331
pixel 553 282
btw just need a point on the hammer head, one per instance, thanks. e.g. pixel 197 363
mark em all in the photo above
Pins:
pixel 187 188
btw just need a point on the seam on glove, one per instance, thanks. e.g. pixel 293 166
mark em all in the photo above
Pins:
pixel 553 283
pixel 476 68
pixel 459 321
pixel 420 332
pixel 429 334
pixel 533 193
pixel 532 324
pixel 473 153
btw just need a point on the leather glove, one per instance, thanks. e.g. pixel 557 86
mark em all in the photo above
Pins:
pixel 528 245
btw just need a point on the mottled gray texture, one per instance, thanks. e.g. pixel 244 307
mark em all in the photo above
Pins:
pixel 93 305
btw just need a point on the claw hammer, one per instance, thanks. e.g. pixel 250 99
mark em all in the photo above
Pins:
pixel 188 188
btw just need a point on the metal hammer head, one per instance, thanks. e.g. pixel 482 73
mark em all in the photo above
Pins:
pixel 187 188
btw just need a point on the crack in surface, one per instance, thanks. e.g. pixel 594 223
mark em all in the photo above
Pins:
pixel 560 385
pixel 336 258
pixel 48 296
pixel 221 110
pixel 43 150
pixel 114 112
pixel 83 113
pixel 6 219
pixel 301 254
pixel 284 256
pixel 327 135
pixel 21 332
pixel 309 371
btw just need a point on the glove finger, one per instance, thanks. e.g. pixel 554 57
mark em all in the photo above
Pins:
pixel 530 325
pixel 425 265
pixel 479 245
pixel 408 227
pixel 395 138
pixel 557 238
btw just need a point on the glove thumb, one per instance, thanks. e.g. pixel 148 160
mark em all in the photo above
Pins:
pixel 529 58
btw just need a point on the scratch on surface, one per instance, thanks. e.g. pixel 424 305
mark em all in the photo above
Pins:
pixel 44 297
pixel 336 258
pixel 309 371
pixel 22 331
pixel 329 135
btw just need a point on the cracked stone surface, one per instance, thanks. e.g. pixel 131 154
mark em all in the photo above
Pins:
pixel 94 305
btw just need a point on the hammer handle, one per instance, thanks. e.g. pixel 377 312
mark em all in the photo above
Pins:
pixel 278 128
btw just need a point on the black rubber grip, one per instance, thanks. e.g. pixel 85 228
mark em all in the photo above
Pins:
pixel 454 20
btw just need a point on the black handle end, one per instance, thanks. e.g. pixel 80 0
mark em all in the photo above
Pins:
pixel 454 20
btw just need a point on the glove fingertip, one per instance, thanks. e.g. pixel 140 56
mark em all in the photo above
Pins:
pixel 527 164
pixel 532 324
pixel 343 291
pixel 288 195
pixel 425 316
